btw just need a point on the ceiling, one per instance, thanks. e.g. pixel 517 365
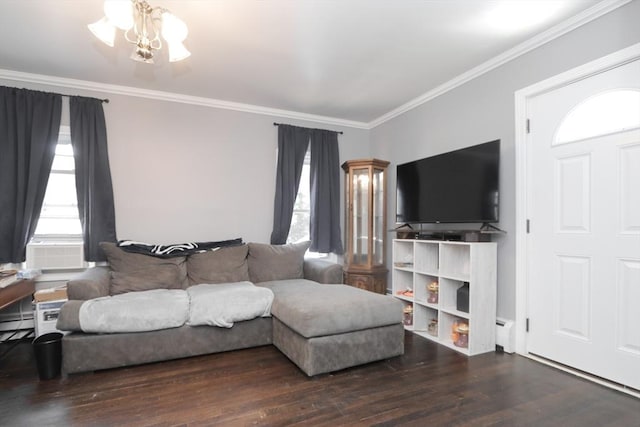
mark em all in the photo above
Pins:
pixel 354 61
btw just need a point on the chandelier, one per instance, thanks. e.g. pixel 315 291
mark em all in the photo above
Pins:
pixel 142 25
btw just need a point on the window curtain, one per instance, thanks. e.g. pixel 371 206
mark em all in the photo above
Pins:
pixel 93 175
pixel 292 147
pixel 325 193
pixel 29 127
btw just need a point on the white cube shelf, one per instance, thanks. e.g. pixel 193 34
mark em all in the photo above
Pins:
pixel 417 263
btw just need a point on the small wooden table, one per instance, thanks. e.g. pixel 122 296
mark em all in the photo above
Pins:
pixel 16 291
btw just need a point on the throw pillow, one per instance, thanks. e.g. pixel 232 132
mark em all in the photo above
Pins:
pixel 163 277
pixel 176 249
pixel 276 262
pixel 222 265
pixel 135 272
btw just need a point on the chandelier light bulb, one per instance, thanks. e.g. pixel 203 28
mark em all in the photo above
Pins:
pixel 177 51
pixel 173 28
pixel 119 13
pixel 104 31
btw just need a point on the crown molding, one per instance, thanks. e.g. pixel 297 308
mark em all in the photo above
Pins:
pixel 173 97
pixel 558 30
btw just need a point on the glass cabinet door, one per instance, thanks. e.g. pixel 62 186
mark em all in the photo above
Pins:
pixel 360 212
pixel 378 231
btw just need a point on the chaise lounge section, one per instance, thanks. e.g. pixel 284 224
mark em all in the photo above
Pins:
pixel 331 327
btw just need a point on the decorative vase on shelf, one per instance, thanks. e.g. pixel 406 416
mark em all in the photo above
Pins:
pixel 432 292
pixel 408 315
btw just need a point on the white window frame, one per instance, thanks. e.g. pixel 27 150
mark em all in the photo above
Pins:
pixel 64 137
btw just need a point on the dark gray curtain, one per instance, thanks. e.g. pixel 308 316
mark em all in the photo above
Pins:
pixel 292 147
pixel 325 193
pixel 93 175
pixel 29 127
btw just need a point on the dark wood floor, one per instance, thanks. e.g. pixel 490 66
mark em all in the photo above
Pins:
pixel 429 386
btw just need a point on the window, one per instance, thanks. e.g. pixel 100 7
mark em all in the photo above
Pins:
pixel 603 114
pixel 300 220
pixel 59 217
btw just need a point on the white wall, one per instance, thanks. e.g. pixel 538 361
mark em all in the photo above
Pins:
pixel 483 110
pixel 183 172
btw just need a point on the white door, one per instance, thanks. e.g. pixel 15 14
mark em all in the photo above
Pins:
pixel 583 161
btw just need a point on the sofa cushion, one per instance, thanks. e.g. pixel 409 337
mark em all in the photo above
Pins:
pixel 315 310
pixel 134 272
pixel 160 277
pixel 223 265
pixel 276 262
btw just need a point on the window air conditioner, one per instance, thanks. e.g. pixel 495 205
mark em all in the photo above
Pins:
pixel 55 256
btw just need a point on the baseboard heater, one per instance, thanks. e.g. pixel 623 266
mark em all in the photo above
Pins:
pixel 505 335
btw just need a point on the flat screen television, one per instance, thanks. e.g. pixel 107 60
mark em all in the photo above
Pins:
pixel 456 187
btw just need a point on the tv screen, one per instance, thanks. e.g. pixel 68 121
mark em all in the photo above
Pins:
pixel 459 186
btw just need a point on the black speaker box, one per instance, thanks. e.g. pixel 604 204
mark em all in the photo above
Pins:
pixel 462 298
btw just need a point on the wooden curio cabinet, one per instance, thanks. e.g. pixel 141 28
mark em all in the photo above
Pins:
pixel 365 223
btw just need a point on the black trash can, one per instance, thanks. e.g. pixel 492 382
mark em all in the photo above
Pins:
pixel 48 350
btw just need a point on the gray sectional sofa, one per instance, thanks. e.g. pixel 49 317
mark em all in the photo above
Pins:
pixel 318 323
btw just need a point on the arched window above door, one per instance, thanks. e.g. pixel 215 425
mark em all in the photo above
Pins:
pixel 602 114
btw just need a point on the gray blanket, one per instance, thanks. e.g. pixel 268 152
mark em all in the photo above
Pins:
pixel 215 305
pixel 223 304
pixel 135 311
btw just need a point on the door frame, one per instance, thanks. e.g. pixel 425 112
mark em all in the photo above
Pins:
pixel 523 186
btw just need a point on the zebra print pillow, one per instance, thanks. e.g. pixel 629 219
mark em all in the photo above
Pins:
pixel 175 250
